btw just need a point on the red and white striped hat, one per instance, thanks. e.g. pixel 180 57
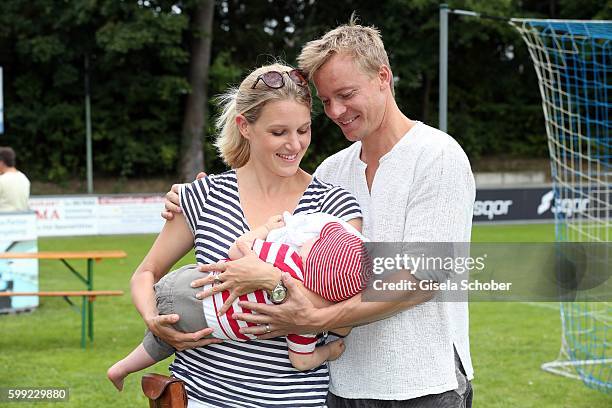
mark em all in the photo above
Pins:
pixel 335 268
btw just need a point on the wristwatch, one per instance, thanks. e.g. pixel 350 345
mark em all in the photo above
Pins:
pixel 279 293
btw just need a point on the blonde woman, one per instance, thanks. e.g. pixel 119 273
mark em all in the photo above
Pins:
pixel 264 131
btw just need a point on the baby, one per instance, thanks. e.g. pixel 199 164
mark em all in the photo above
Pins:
pixel 322 251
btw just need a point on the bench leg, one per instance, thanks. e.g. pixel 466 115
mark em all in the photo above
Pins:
pixel 90 303
pixel 90 319
pixel 83 320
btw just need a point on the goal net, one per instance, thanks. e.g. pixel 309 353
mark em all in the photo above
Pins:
pixel 573 62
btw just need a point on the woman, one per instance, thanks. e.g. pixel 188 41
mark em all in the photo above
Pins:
pixel 264 133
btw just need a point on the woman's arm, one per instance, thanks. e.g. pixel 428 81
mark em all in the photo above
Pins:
pixel 174 241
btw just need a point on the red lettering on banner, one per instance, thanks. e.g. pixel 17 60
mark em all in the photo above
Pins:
pixel 46 215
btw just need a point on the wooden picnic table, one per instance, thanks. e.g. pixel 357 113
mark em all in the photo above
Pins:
pixel 94 255
pixel 87 279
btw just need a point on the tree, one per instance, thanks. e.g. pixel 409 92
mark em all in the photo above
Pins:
pixel 196 111
pixel 138 62
pixel 151 79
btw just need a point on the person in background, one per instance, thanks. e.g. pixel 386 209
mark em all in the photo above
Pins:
pixel 14 185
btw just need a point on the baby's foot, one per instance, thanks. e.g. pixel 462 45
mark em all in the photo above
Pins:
pixel 116 374
pixel 336 348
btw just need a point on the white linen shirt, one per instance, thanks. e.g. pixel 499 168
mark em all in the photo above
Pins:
pixel 423 191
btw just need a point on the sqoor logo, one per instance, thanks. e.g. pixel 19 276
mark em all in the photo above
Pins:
pixel 567 206
pixel 491 208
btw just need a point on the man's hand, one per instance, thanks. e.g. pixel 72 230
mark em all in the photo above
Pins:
pixel 295 315
pixel 242 276
pixel 161 326
pixel 171 203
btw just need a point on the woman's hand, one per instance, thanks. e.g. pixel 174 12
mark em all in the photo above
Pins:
pixel 239 277
pixel 161 326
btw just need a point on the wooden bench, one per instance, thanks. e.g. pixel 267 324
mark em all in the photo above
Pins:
pixel 88 297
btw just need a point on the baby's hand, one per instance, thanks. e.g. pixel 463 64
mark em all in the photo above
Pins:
pixel 275 222
pixel 248 239
pixel 336 348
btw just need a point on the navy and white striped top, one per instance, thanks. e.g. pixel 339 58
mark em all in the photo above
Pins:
pixel 257 373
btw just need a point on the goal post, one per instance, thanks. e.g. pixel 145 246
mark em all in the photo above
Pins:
pixel 573 63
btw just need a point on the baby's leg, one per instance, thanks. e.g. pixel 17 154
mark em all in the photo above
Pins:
pixel 180 299
pixel 327 352
pixel 173 295
pixel 137 360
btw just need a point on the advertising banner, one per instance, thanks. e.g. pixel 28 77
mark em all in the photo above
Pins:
pixel 18 234
pixel 535 204
pixel 65 215
pixel 140 213
pixel 129 215
pixel 98 215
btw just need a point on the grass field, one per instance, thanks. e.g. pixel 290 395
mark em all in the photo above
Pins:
pixel 509 341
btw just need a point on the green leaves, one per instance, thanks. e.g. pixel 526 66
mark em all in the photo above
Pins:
pixel 42 48
pixel 137 58
pixel 139 53
pixel 123 37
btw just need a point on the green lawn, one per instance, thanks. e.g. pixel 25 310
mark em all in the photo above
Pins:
pixel 509 341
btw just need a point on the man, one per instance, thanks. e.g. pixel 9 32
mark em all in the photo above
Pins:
pixel 14 185
pixel 414 184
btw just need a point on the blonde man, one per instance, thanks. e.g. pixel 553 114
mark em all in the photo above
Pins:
pixel 414 184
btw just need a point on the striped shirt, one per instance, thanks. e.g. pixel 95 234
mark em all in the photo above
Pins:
pixel 256 373
pixel 284 258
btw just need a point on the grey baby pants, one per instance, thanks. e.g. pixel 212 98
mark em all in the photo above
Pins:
pixel 174 296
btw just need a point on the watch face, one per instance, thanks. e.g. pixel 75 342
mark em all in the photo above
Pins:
pixel 278 294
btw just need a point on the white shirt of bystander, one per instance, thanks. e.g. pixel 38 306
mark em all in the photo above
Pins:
pixel 14 191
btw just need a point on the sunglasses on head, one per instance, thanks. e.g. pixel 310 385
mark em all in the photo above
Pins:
pixel 276 80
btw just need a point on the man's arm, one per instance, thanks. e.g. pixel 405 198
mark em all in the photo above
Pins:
pixel 440 210
pixel 299 315
pixel 247 274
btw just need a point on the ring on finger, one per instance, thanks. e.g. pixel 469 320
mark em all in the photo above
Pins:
pixel 216 280
pixel 268 330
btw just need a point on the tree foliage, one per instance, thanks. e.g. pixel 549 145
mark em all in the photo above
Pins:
pixel 139 52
